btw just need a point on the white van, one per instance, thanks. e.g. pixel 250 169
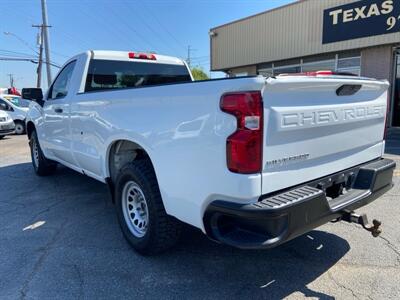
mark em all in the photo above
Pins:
pixel 17 108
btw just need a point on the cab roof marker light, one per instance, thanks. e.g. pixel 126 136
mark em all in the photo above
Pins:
pixel 134 55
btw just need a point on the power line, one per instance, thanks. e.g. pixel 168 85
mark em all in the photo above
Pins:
pixel 162 26
pixel 73 39
pixel 200 61
pixel 166 42
pixel 109 29
pixel 32 60
pixel 128 25
pixel 26 57
pixel 200 57
pixel 8 52
pixel 21 40
pixel 59 54
pixel 10 58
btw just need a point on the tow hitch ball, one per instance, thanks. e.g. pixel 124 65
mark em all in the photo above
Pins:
pixel 374 228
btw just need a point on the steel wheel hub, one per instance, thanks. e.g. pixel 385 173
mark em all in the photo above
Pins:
pixel 19 129
pixel 135 209
pixel 35 152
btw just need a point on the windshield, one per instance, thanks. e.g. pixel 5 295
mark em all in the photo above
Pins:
pixel 17 101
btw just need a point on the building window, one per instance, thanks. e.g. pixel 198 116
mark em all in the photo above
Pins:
pixel 287 70
pixel 289 66
pixel 266 70
pixel 325 62
pixel 325 65
pixel 347 62
pixel 349 65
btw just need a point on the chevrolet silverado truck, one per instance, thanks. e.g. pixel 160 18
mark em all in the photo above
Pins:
pixel 253 162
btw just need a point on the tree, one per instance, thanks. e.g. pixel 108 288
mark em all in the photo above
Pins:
pixel 199 74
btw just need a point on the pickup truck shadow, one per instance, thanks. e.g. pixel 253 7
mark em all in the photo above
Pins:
pixel 81 250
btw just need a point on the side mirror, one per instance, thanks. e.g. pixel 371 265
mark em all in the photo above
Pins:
pixel 35 94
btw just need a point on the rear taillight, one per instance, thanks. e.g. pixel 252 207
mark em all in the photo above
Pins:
pixel 244 146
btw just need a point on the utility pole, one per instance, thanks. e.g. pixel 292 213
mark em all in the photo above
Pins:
pixel 40 57
pixel 11 79
pixel 46 40
pixel 188 56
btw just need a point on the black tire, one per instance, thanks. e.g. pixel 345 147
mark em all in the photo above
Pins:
pixel 19 127
pixel 162 230
pixel 2 137
pixel 41 164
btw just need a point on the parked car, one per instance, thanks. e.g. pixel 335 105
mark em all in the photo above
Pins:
pixel 7 125
pixel 253 162
pixel 17 108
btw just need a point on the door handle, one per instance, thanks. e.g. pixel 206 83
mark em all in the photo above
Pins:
pixel 58 110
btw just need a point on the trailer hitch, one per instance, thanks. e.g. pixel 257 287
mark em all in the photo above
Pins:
pixel 362 220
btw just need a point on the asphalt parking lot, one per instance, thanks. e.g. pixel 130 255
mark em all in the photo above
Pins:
pixel 60 239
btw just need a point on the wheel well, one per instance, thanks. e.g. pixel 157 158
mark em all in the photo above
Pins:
pixel 30 127
pixel 121 153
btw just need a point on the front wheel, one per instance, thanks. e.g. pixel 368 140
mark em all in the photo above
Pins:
pixel 140 210
pixel 2 136
pixel 19 127
pixel 41 164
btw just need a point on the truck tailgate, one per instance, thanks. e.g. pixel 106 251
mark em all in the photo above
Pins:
pixel 310 131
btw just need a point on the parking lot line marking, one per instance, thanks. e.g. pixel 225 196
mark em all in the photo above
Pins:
pixel 34 225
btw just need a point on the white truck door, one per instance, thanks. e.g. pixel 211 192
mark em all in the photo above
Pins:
pixel 87 130
pixel 56 116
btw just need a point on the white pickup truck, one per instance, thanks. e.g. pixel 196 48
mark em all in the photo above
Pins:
pixel 253 162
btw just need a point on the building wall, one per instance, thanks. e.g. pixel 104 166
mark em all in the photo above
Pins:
pixel 291 31
pixel 377 62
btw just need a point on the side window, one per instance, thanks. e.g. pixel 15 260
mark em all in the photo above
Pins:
pixel 59 89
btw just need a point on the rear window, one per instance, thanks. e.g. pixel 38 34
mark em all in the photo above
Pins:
pixel 110 74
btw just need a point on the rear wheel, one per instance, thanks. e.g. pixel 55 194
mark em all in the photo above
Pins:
pixel 2 136
pixel 41 164
pixel 19 127
pixel 140 210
